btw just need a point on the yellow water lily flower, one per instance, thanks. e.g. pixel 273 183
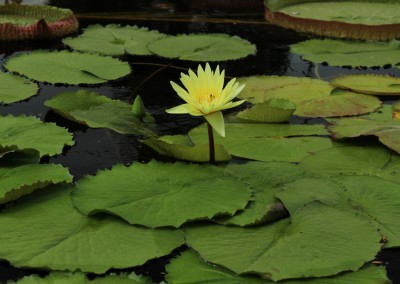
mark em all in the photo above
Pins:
pixel 206 96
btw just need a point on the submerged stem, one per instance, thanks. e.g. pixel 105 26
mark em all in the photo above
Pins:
pixel 211 143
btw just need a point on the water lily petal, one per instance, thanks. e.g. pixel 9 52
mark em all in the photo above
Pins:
pixel 181 92
pixel 184 108
pixel 232 104
pixel 216 119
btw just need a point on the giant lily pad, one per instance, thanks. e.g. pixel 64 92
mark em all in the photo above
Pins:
pixel 114 40
pixel 377 20
pixel 189 268
pixel 51 233
pixel 28 132
pixel 21 22
pixel 375 199
pixel 67 67
pixel 202 47
pixel 14 89
pixel 380 85
pixel 97 111
pixel 267 142
pixel 158 194
pixel 349 53
pixel 318 247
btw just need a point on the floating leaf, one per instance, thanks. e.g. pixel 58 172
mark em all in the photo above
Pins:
pixel 375 199
pixel 158 194
pixel 202 47
pixel 381 85
pixel 28 132
pixel 14 88
pixel 195 153
pixel 348 53
pixel 97 111
pixel 67 67
pixel 313 252
pixel 52 234
pixel 24 179
pixel 189 268
pixel 266 142
pixel 114 40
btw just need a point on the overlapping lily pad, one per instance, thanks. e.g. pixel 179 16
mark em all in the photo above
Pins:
pixel 159 194
pixel 67 67
pixel 202 47
pixel 52 234
pixel 14 89
pixel 28 132
pixel 349 53
pixel 114 40
pixel 313 252
pixel 267 142
pixel 97 111
pixel 189 268
pixel 379 85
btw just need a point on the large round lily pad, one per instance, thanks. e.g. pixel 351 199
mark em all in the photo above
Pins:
pixel 67 67
pixel 159 194
pixel 21 22
pixel 14 88
pixel 372 20
pixel 202 47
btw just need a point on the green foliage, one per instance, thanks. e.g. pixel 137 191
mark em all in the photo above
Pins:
pixel 14 88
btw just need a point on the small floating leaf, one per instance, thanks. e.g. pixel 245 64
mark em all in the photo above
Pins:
pixel 14 88
pixel 52 234
pixel 202 47
pixel 67 67
pixel 159 194
pixel 28 132
pixel 114 40
pixel 380 85
pixel 97 111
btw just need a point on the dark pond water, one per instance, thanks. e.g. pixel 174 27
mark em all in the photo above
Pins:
pixel 99 148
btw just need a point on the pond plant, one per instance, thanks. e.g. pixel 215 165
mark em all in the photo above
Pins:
pixel 287 192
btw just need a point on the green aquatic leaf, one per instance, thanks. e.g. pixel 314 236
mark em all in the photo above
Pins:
pixel 380 85
pixel 202 47
pixel 67 67
pixel 28 132
pixel 373 198
pixel 114 40
pixel 52 234
pixel 267 142
pixel 189 268
pixel 309 245
pixel 348 52
pixel 97 111
pixel 14 88
pixel 161 194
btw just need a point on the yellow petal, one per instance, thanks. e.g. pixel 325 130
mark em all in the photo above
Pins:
pixel 231 105
pixel 185 108
pixel 216 120
pixel 181 92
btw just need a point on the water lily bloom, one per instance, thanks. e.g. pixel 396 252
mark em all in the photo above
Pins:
pixel 206 96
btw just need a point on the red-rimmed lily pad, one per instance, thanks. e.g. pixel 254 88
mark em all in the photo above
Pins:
pixel 21 22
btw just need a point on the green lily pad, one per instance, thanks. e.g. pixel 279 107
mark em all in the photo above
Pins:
pixel 14 88
pixel 114 40
pixel 372 198
pixel 52 234
pixel 158 194
pixel 195 153
pixel 380 85
pixel 97 111
pixel 202 47
pixel 324 251
pixel 24 179
pixel 28 132
pixel 267 142
pixel 189 268
pixel 348 160
pixel 264 179
pixel 67 67
pixel 80 278
pixel 348 52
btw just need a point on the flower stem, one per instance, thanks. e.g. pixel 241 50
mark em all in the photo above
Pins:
pixel 211 143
